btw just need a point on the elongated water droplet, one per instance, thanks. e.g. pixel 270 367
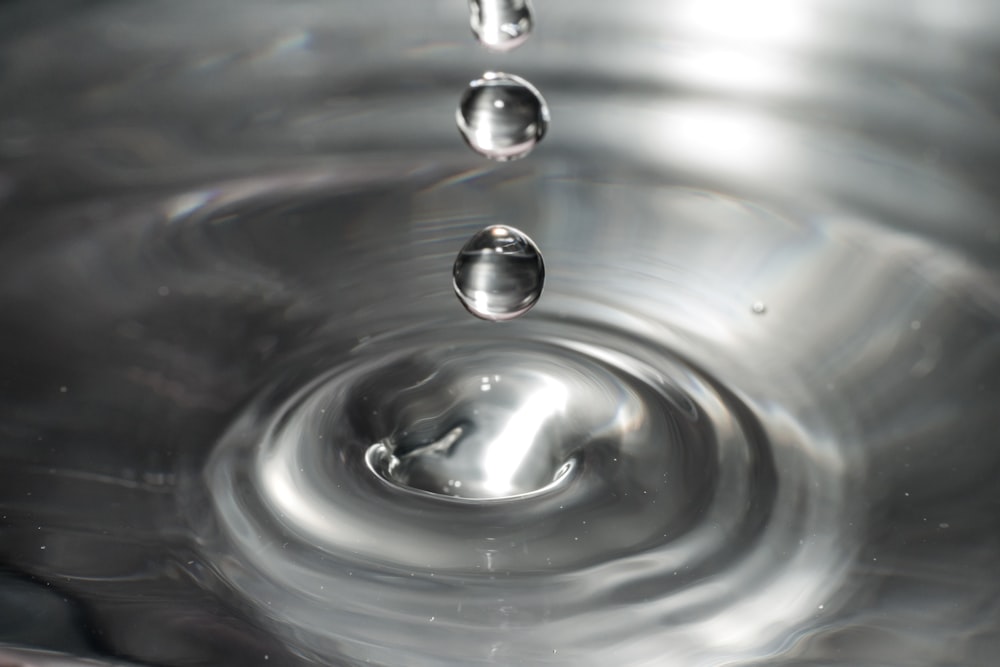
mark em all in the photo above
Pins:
pixel 499 273
pixel 501 25
pixel 502 116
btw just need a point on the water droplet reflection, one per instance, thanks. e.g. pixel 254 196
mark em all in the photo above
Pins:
pixel 501 25
pixel 499 273
pixel 502 116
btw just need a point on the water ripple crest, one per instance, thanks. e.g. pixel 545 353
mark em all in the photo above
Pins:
pixel 431 498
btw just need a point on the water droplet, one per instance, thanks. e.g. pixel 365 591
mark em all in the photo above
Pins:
pixel 759 307
pixel 501 25
pixel 499 273
pixel 502 116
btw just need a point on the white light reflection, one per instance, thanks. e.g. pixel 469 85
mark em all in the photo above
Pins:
pixel 724 139
pixel 737 70
pixel 187 204
pixel 280 477
pixel 764 22
pixel 507 452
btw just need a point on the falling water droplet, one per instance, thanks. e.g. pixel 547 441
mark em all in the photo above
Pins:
pixel 502 116
pixel 501 25
pixel 499 273
pixel 758 307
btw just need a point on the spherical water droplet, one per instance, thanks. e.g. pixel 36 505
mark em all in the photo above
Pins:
pixel 759 307
pixel 502 116
pixel 498 274
pixel 501 25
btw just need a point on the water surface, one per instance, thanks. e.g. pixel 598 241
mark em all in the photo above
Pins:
pixel 244 420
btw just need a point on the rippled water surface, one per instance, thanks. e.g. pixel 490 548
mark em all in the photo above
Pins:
pixel 751 421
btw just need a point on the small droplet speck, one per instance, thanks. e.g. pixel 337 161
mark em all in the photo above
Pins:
pixel 499 273
pixel 759 307
pixel 502 116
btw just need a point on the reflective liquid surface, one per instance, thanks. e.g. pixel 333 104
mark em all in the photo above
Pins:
pixel 750 421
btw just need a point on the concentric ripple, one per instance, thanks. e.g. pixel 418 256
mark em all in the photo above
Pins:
pixel 475 498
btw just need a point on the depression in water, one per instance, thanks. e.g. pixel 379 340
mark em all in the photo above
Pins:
pixel 498 274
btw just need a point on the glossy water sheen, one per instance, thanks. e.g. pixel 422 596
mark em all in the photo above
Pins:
pixel 502 116
pixel 751 422
pixel 499 273
pixel 501 25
